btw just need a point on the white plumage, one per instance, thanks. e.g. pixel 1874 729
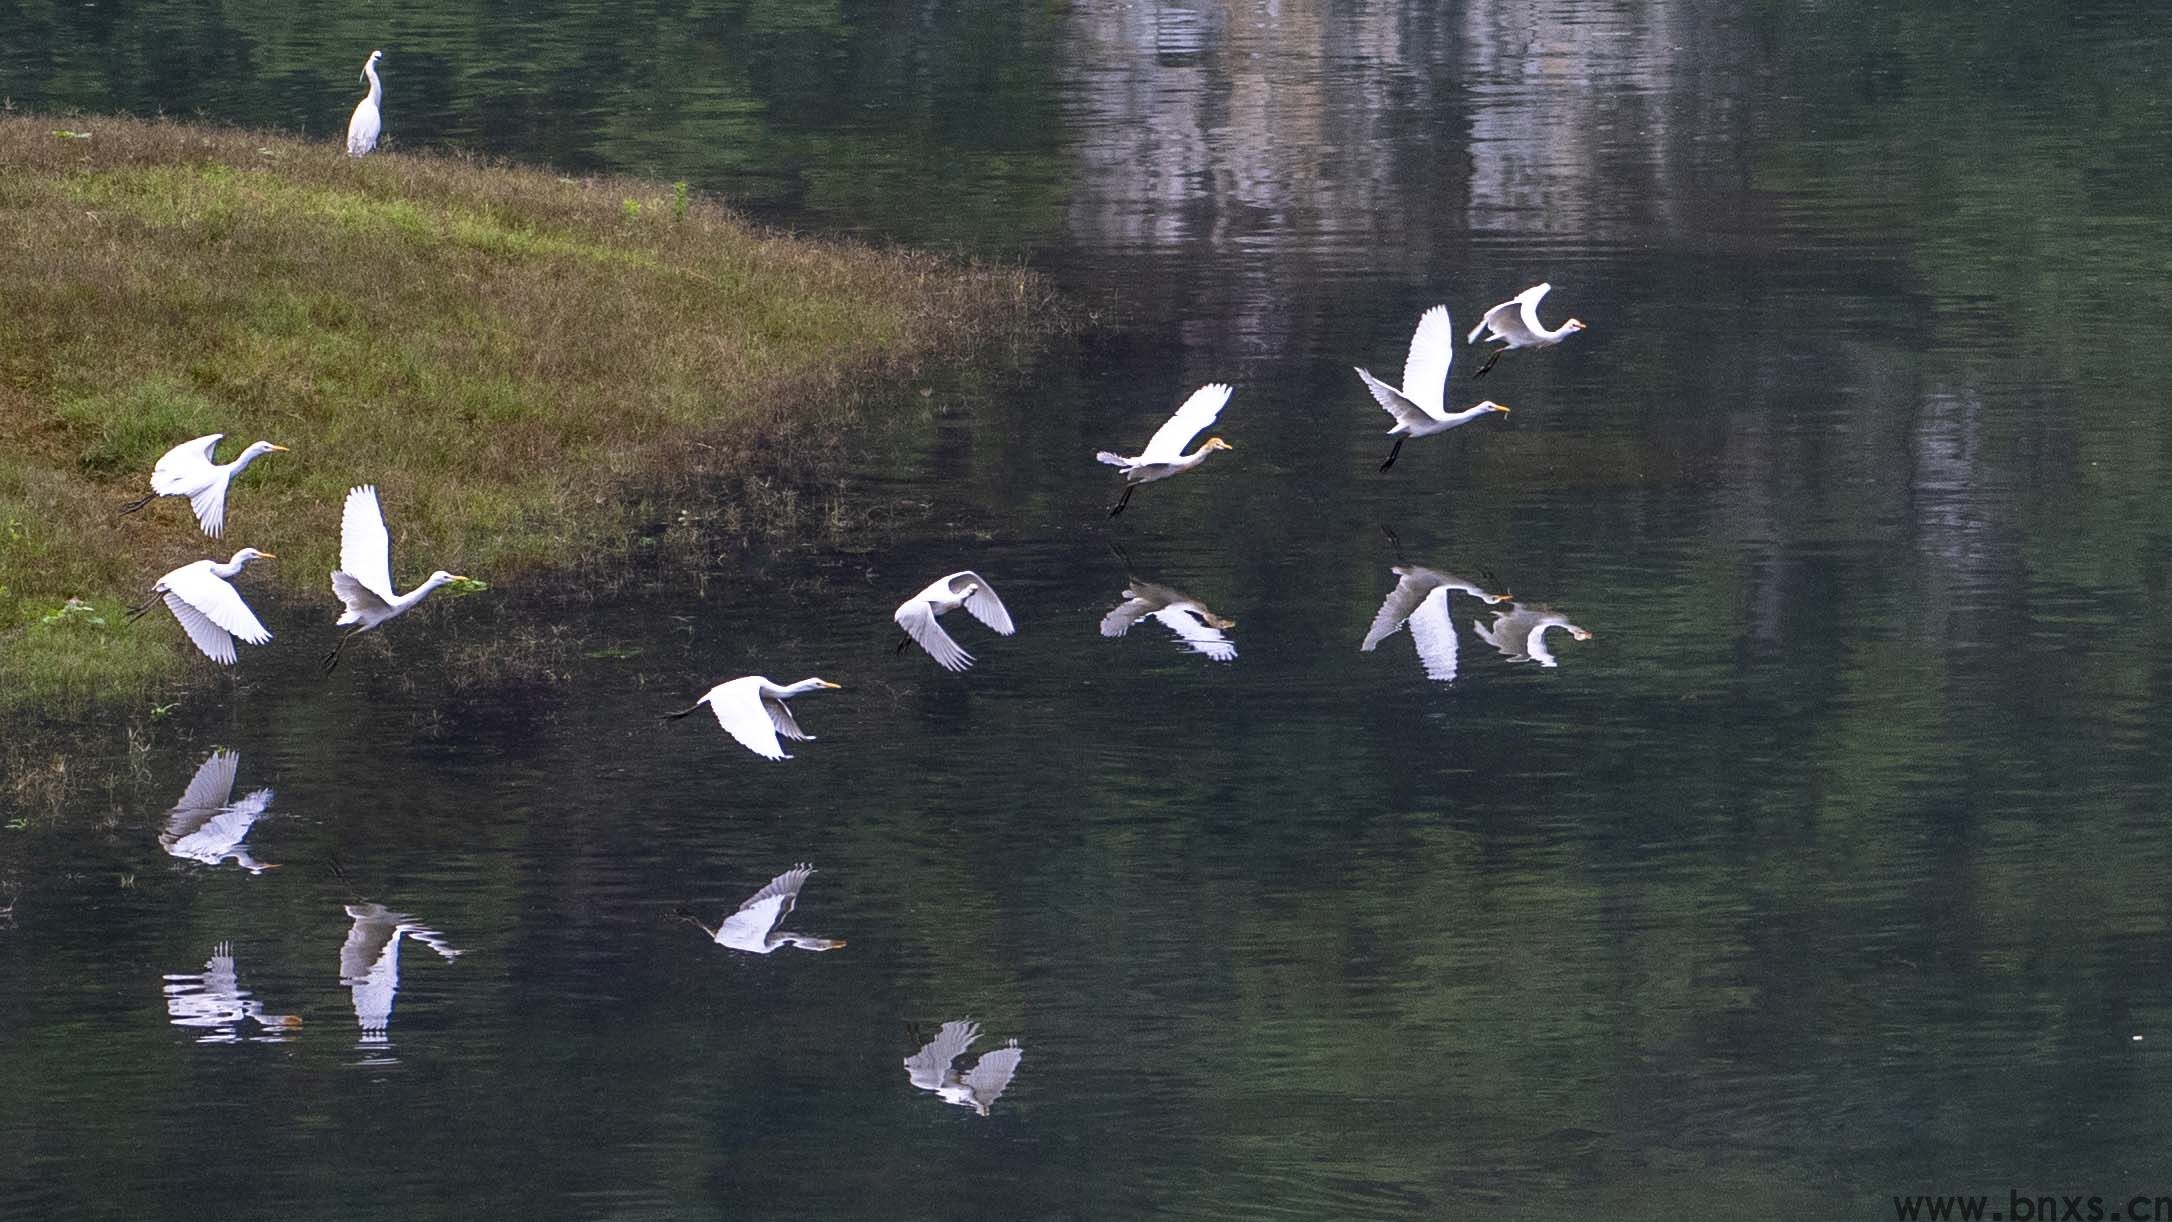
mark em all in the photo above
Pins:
pixel 752 709
pixel 1198 628
pixel 918 615
pixel 208 608
pixel 1420 599
pixel 369 962
pixel 362 129
pixel 1515 324
pixel 1419 408
pixel 753 928
pixel 363 580
pixel 930 1068
pixel 1519 633
pixel 206 825
pixel 1164 454
pixel 190 470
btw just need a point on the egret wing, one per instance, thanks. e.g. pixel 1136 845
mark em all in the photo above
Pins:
pixel 992 1073
pixel 1198 412
pixel 365 547
pixel 1435 636
pixel 785 885
pixel 215 642
pixel 180 469
pixel 748 928
pixel 1506 322
pixel 1197 633
pixel 1395 609
pixel 1406 413
pixel 213 783
pixel 743 717
pixel 780 716
pixel 1126 613
pixel 1527 312
pixel 983 603
pixel 917 618
pixel 1425 371
pixel 362 129
pixel 374 926
pixel 928 1067
pixel 218 600
pixel 208 503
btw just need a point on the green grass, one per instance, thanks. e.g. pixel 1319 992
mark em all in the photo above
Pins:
pixel 527 366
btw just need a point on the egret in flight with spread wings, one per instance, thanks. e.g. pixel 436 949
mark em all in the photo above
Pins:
pixel 917 615
pixel 1197 627
pixel 213 1001
pixel 929 1068
pixel 1515 324
pixel 362 129
pixel 1164 454
pixel 752 709
pixel 754 927
pixel 1519 633
pixel 1420 407
pixel 369 962
pixel 210 609
pixel 363 580
pixel 207 825
pixel 189 470
pixel 1420 599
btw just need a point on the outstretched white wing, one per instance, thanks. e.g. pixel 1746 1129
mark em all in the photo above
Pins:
pixel 1425 372
pixel 917 618
pixel 1124 614
pixel 365 547
pixel 991 1074
pixel 182 469
pixel 217 600
pixel 1168 442
pixel 748 928
pixel 931 1065
pixel 213 640
pixel 740 710
pixel 1410 590
pixel 1435 636
pixel 1197 633
pixel 209 504
pixel 982 602
pixel 1528 313
pixel 1513 320
pixel 1407 413
pixel 213 783
pixel 780 716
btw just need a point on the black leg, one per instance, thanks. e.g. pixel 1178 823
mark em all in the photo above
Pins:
pixel 133 506
pixel 1482 369
pixel 331 660
pixel 1123 500
pixel 1392 453
pixel 136 613
pixel 902 642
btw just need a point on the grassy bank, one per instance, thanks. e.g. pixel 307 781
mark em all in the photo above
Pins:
pixel 506 353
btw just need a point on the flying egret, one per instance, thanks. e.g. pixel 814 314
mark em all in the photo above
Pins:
pixel 1420 599
pixel 363 127
pixel 210 610
pixel 917 615
pixel 1419 408
pixel 369 962
pixel 1519 633
pixel 214 1001
pixel 1164 454
pixel 754 927
pixel 1515 324
pixel 1198 628
pixel 751 709
pixel 929 1068
pixel 206 825
pixel 188 470
pixel 363 580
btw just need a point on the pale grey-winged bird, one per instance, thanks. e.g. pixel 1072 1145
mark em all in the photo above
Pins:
pixel 753 928
pixel 919 614
pixel 979 1088
pixel 1519 633
pixel 214 1002
pixel 206 825
pixel 1197 628
pixel 1420 600
pixel 369 962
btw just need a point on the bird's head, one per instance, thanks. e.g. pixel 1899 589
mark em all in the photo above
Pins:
pixel 263 447
pixel 1491 406
pixel 443 578
pixel 1216 443
pixel 806 943
pixel 1217 622
pixel 1580 634
pixel 245 555
pixel 815 685
pixel 1502 597
pixel 1574 324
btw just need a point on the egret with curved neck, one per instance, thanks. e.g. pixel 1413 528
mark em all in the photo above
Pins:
pixel 362 129
pixel 363 580
pixel 1515 324
pixel 189 470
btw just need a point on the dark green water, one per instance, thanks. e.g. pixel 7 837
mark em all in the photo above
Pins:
pixel 1833 867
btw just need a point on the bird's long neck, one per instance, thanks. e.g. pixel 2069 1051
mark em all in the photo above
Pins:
pixel 242 461
pixel 1467 415
pixel 419 593
pixel 1194 458
pixel 232 568
pixel 377 89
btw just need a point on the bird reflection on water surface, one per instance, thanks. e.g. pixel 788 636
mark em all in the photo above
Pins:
pixel 978 1088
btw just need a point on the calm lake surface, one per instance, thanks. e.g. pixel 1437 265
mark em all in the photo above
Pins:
pixel 1834 866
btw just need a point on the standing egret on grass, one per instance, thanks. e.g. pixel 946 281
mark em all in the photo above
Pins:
pixel 1420 599
pixel 363 580
pixel 929 1068
pixel 752 710
pixel 754 927
pixel 1164 454
pixel 362 129
pixel 210 610
pixel 1519 633
pixel 1420 407
pixel 917 615
pixel 1515 324
pixel 207 825
pixel 188 470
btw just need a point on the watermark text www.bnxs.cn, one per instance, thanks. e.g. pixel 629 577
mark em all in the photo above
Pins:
pixel 2034 1207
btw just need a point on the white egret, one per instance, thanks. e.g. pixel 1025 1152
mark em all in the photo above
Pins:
pixel 929 1068
pixel 754 927
pixel 210 610
pixel 751 709
pixel 1420 599
pixel 1519 633
pixel 1164 454
pixel 1197 627
pixel 1515 324
pixel 362 129
pixel 206 825
pixel 917 615
pixel 369 962
pixel 1420 407
pixel 363 580
pixel 214 1001
pixel 189 470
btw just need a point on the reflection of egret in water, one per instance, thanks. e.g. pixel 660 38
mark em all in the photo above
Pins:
pixel 215 1003
pixel 1420 599
pixel 204 826
pixel 979 1088
pixel 1520 632
pixel 369 962
pixel 754 927
pixel 1199 628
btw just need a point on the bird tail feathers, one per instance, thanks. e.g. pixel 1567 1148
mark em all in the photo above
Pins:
pixel 1112 458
